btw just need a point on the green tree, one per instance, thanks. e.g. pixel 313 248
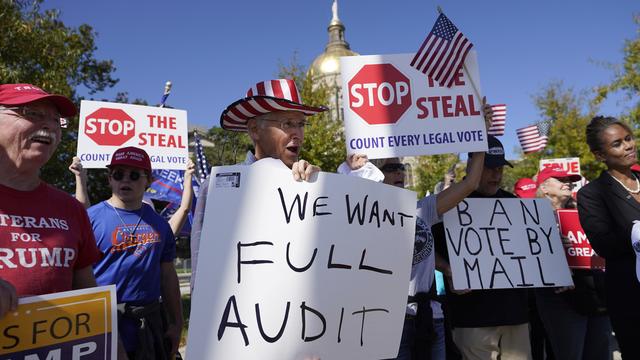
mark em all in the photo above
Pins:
pixel 37 47
pixel 324 143
pixel 567 114
pixel 230 146
pixel 429 170
pixel 626 79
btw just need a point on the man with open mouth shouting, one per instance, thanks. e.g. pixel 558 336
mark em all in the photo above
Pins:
pixel 274 116
pixel 138 250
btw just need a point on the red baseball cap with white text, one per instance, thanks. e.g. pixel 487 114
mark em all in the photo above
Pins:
pixel 131 156
pixel 22 94
pixel 525 188
pixel 556 172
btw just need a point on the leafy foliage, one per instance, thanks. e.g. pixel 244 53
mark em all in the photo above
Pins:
pixel 568 116
pixel 429 170
pixel 37 48
pixel 627 79
pixel 324 143
pixel 230 146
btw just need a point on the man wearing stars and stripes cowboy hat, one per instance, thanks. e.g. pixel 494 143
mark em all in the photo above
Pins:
pixel 274 116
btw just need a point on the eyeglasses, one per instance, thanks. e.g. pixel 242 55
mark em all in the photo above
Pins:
pixel 393 167
pixel 118 175
pixel 37 115
pixel 288 124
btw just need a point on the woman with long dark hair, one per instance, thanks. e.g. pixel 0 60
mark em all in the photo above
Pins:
pixel 608 207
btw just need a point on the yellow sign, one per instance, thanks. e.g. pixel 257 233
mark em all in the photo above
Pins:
pixel 79 324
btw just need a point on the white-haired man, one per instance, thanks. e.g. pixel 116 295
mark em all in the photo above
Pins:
pixel 273 115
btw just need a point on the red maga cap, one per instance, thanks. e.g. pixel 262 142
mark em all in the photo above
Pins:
pixel 22 94
pixel 556 172
pixel 525 188
pixel 131 156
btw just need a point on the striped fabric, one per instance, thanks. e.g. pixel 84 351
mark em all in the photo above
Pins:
pixel 499 120
pixel 202 165
pixel 263 98
pixel 530 139
pixel 442 54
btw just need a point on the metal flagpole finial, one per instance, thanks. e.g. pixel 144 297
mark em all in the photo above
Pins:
pixel 439 10
pixel 167 87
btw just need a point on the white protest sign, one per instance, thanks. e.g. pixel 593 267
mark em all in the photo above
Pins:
pixel 505 243
pixel 570 165
pixel 290 270
pixel 392 109
pixel 105 127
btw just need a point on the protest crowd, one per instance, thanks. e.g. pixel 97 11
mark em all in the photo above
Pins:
pixel 53 243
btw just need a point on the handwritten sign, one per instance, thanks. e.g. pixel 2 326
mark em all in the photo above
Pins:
pixel 105 127
pixel 77 325
pixel 392 109
pixel 505 243
pixel 289 270
pixel 580 254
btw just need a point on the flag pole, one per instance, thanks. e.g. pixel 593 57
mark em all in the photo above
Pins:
pixel 165 94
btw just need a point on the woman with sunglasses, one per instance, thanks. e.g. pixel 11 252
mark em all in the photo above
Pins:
pixel 138 248
pixel 179 217
pixel 609 208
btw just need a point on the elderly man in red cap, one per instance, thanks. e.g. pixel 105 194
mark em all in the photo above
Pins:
pixel 138 248
pixel 46 242
pixel 274 116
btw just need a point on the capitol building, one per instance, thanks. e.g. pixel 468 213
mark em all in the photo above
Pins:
pixel 325 70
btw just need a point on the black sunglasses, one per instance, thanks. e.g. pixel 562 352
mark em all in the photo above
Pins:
pixel 118 175
pixel 393 167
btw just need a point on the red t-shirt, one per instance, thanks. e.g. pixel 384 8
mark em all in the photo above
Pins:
pixel 45 235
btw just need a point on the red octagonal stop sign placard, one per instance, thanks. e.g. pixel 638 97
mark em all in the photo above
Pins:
pixel 379 94
pixel 108 126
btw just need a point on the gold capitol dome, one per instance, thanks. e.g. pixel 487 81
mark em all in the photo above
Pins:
pixel 326 67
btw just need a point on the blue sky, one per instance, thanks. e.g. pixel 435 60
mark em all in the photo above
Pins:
pixel 213 51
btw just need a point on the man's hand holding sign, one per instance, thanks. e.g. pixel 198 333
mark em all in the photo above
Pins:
pixel 313 273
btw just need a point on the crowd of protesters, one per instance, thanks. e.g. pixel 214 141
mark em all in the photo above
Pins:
pixel 123 241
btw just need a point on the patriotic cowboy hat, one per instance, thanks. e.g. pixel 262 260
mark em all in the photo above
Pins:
pixel 263 98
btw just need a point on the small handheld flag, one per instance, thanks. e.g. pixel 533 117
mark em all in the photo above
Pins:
pixel 499 120
pixel 531 139
pixel 443 52
pixel 201 160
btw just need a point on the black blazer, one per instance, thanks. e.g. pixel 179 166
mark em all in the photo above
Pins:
pixel 607 212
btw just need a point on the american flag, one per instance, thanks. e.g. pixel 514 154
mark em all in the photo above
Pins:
pixel 443 52
pixel 499 120
pixel 201 160
pixel 531 139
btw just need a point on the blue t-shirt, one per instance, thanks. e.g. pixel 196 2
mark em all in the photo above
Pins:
pixel 133 244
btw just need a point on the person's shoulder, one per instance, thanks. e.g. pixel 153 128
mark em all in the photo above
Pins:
pixel 95 209
pixel 594 185
pixel 504 194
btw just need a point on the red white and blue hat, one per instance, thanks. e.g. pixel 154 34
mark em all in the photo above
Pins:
pixel 263 98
